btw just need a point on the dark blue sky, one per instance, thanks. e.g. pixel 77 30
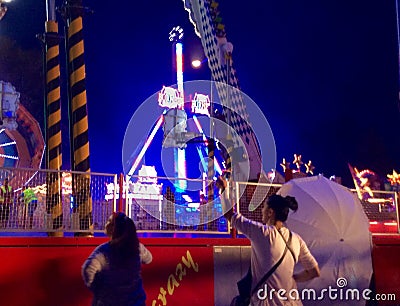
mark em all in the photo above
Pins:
pixel 325 73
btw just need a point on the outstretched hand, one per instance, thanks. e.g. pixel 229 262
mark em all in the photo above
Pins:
pixel 221 183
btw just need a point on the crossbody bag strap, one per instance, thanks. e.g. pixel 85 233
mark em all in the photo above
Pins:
pixel 272 270
pixel 288 244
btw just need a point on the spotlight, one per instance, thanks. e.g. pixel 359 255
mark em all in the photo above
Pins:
pixel 175 35
pixel 196 63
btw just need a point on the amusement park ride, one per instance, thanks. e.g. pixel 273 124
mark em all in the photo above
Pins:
pixel 21 140
pixel 185 271
pixel 190 118
pixel 22 145
pixel 183 107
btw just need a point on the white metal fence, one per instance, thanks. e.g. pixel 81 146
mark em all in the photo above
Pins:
pixel 159 204
pixel 67 201
pixel 76 202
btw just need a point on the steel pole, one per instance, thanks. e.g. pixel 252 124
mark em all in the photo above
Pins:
pixel 53 118
pixel 79 128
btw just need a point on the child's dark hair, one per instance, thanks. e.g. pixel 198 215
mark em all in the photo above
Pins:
pixel 280 205
pixel 124 240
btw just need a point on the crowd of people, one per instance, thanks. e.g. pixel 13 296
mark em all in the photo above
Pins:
pixel 26 200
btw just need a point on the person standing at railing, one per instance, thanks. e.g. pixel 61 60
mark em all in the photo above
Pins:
pixel 275 251
pixel 29 200
pixel 113 270
pixel 6 199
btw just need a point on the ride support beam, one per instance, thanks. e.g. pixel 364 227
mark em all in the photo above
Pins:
pixel 78 112
pixel 51 41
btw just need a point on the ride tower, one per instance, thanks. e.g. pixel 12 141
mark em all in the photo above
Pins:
pixel 244 153
pixel 207 21
pixel 176 36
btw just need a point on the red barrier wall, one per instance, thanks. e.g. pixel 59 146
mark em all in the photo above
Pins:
pixel 46 271
pixel 386 263
pixel 43 271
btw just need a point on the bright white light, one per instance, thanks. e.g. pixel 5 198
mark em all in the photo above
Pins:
pixel 6 1
pixel 200 104
pixel 179 66
pixel 9 156
pixel 7 144
pixel 196 63
pixel 146 146
pixel 187 198
pixel 390 223
pixel 176 34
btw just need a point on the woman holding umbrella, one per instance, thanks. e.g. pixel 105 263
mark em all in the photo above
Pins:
pixel 275 250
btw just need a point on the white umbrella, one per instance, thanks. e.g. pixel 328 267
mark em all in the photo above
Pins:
pixel 332 222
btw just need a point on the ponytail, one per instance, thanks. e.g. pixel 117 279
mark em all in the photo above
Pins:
pixel 281 205
pixel 291 203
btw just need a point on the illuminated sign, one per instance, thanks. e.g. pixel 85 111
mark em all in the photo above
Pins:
pixel 170 97
pixel 148 174
pixel 137 191
pixel 145 191
pixel 145 188
pixel 394 178
pixel 200 104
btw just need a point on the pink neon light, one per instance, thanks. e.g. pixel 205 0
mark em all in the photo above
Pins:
pixel 181 168
pixel 180 159
pixel 146 145
pixel 179 66
pixel 196 121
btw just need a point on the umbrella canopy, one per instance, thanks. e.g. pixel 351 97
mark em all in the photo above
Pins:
pixel 332 222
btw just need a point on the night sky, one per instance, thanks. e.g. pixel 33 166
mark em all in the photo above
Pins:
pixel 325 73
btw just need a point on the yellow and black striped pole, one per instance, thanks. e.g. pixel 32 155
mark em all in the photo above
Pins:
pixel 78 113
pixel 53 123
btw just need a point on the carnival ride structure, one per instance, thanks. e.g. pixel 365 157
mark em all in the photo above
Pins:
pixel 21 140
pixel 208 26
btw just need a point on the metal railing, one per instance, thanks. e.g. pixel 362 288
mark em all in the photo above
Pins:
pixel 159 204
pixel 83 202
pixel 73 205
pixel 382 210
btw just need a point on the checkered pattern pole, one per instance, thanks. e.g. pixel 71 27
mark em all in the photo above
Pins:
pixel 78 113
pixel 53 124
pixel 205 15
